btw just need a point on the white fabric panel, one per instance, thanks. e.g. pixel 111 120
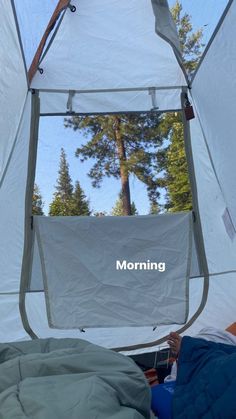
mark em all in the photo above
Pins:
pixel 36 283
pixel 214 92
pixel 107 337
pixel 220 308
pixel 12 208
pixel 11 328
pixel 109 44
pixel 131 101
pixel 83 286
pixel 220 249
pixel 13 84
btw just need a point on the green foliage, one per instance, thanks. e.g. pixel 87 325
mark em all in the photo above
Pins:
pixel 176 180
pixel 37 202
pixel 61 206
pixel 64 183
pixel 118 210
pixel 190 42
pixel 179 194
pixel 63 203
pixel 154 208
pixel 133 152
pixel 81 204
pixel 68 201
pixel 100 214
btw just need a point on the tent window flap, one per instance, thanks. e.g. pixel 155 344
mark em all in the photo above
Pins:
pixel 114 271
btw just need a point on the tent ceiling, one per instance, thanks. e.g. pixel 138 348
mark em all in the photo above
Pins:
pixel 109 55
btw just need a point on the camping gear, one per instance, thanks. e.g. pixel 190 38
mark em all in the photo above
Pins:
pixel 61 378
pixel 206 379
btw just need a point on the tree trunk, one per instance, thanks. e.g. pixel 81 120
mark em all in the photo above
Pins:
pixel 124 174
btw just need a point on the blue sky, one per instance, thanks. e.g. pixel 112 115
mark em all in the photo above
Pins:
pixel 53 135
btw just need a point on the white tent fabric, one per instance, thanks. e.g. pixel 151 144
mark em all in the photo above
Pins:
pixel 12 215
pixel 219 313
pixel 137 100
pixel 121 35
pixel 214 93
pixel 12 210
pixel 13 83
pixel 220 253
pixel 96 281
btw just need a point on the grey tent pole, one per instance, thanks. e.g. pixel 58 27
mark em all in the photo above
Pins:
pixel 28 234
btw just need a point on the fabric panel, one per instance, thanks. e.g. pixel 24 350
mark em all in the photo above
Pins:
pixel 85 286
pixel 214 93
pixel 122 34
pixel 13 83
pixel 108 102
pixel 12 210
pixel 220 249
pixel 11 328
pixel 49 378
pixel 165 25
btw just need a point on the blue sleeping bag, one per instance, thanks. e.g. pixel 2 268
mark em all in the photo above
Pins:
pixel 206 381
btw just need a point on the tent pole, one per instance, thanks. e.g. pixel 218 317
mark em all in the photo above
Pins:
pixel 28 237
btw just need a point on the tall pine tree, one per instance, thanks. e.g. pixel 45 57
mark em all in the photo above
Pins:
pixel 68 200
pixel 121 145
pixel 81 203
pixel 63 203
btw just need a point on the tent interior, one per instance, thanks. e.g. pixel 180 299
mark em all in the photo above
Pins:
pixel 58 274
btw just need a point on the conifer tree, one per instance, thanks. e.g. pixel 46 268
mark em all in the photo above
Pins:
pixel 154 208
pixel 118 209
pixel 37 201
pixel 63 203
pixel 121 145
pixel 81 203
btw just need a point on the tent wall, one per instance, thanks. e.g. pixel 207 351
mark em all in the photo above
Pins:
pixel 13 83
pixel 214 147
pixel 12 215
pixel 220 249
pixel 214 94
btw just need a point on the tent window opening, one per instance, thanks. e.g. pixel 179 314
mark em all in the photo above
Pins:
pixel 125 264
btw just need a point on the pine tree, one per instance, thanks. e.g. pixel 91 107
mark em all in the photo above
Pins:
pixel 121 145
pixel 190 42
pixel 81 204
pixel 37 201
pixel 176 180
pixel 118 209
pixel 63 203
pixel 154 208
